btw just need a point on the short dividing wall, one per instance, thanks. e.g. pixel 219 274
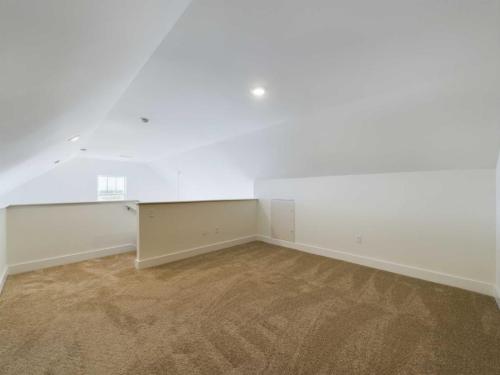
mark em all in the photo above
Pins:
pixel 172 231
pixel 41 236
pixel 497 229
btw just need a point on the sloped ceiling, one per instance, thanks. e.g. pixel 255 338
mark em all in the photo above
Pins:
pixel 63 65
pixel 420 130
pixel 354 86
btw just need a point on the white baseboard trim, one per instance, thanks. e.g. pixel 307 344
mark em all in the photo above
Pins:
pixel 188 253
pixel 418 273
pixel 3 278
pixel 66 259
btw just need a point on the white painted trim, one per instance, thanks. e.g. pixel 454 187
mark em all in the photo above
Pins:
pixel 188 253
pixel 3 278
pixel 416 272
pixel 66 259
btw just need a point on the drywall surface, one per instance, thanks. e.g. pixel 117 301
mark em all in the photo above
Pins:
pixel 3 248
pixel 442 221
pixel 64 65
pixel 352 96
pixel 498 230
pixel 175 227
pixel 38 234
pixel 206 173
pixel 386 134
pixel 76 181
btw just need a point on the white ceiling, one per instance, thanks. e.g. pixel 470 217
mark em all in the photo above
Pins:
pixel 381 85
pixel 312 56
pixel 63 65
pixel 419 130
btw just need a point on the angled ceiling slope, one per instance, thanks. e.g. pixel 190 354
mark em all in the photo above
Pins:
pixel 63 65
pixel 354 86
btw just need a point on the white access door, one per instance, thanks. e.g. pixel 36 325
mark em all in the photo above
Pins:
pixel 283 219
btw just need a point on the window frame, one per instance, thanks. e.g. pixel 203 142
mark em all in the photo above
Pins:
pixel 105 197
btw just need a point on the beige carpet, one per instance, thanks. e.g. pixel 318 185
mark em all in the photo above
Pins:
pixel 252 309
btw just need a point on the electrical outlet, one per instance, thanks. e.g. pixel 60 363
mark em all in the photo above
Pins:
pixel 359 238
pixel 216 230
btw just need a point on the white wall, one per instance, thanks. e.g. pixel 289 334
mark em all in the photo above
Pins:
pixel 39 236
pixel 498 230
pixel 172 231
pixel 76 181
pixel 206 173
pixel 441 221
pixel 3 248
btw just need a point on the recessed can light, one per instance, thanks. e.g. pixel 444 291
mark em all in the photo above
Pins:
pixel 144 120
pixel 74 138
pixel 258 92
pixel 83 149
pixel 57 161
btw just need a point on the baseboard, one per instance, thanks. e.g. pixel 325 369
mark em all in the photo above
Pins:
pixel 188 253
pixel 3 278
pixel 66 259
pixel 419 273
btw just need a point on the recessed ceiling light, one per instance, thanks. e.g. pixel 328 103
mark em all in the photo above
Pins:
pixel 83 149
pixel 258 92
pixel 74 138
pixel 144 120
pixel 126 156
pixel 57 161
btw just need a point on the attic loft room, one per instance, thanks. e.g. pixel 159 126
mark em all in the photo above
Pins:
pixel 249 187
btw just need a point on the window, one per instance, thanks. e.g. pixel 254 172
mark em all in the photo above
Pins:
pixel 111 188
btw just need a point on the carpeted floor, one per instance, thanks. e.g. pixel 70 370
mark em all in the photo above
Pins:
pixel 252 309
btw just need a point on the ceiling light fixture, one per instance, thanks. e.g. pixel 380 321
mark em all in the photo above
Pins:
pixel 57 161
pixel 258 92
pixel 74 138
pixel 144 120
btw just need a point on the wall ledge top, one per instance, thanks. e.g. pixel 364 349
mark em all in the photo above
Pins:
pixel 69 203
pixel 200 201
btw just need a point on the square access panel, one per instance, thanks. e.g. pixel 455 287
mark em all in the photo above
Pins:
pixel 283 219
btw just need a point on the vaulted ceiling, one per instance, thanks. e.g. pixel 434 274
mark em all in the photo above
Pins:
pixel 353 86
pixel 63 65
